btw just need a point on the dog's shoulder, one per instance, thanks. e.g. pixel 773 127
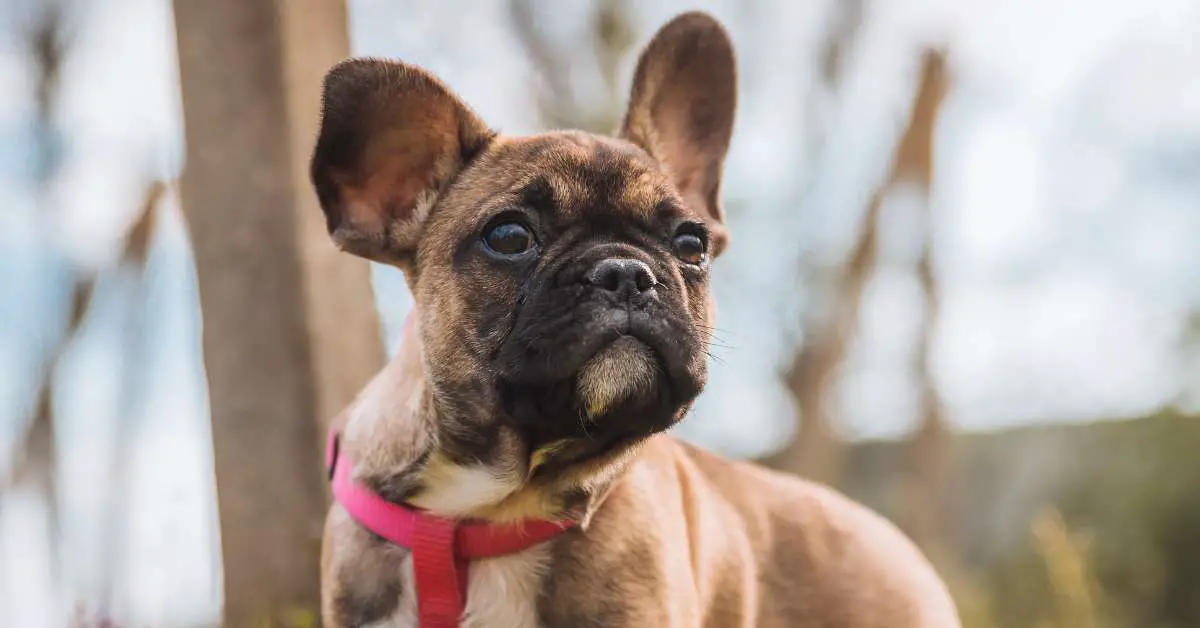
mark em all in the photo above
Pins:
pixel 817 551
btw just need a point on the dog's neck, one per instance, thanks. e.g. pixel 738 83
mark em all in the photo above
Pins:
pixel 391 433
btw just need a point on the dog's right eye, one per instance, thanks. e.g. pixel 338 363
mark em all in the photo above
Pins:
pixel 509 238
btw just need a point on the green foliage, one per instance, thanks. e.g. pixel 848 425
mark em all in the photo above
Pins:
pixel 1086 525
pixel 295 617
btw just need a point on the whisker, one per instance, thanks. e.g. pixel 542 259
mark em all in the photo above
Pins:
pixel 716 358
pixel 708 333
pixel 583 421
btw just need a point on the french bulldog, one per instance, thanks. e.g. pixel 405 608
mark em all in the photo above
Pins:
pixel 561 325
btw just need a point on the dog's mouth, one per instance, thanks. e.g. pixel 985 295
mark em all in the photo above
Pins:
pixel 620 394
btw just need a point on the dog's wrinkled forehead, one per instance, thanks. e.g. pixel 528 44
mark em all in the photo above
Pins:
pixel 570 177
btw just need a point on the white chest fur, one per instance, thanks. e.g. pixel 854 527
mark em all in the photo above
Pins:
pixel 502 592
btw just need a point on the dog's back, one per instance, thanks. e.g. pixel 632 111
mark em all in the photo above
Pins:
pixel 712 542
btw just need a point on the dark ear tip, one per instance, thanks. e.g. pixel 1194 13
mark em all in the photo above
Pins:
pixel 350 73
pixel 695 40
pixel 698 24
pixel 696 19
pixel 364 77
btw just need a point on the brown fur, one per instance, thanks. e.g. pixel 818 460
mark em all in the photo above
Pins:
pixel 668 535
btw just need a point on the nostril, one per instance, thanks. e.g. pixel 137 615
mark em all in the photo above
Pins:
pixel 618 274
pixel 644 279
pixel 610 278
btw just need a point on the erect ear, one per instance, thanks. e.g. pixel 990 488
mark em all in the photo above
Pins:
pixel 392 137
pixel 681 110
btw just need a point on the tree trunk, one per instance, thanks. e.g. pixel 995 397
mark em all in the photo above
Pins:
pixel 290 328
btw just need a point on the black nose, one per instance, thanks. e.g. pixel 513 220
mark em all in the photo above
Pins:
pixel 618 274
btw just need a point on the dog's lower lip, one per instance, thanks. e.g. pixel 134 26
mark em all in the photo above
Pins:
pixel 628 336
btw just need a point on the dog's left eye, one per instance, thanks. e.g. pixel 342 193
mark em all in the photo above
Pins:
pixel 690 248
pixel 509 238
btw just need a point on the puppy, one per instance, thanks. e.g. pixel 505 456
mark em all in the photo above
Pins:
pixel 561 324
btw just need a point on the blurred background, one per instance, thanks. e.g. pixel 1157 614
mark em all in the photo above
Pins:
pixel 963 287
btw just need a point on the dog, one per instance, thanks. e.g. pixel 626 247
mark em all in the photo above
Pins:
pixel 561 324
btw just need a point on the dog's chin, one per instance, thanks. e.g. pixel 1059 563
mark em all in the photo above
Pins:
pixel 621 372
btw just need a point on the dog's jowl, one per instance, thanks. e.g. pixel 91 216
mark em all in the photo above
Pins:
pixel 509 468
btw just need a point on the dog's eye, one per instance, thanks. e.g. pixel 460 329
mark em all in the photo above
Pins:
pixel 509 238
pixel 690 248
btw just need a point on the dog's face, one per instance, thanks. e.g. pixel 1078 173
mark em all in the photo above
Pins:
pixel 561 280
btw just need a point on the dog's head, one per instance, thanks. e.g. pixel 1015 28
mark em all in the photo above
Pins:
pixel 561 280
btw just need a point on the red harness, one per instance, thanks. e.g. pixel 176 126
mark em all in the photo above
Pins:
pixel 441 548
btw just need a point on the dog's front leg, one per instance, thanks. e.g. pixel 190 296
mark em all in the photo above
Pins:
pixel 360 576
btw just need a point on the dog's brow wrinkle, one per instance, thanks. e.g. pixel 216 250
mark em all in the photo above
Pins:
pixel 537 194
pixel 667 207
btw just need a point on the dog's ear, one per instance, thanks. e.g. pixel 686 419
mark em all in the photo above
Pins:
pixel 681 110
pixel 392 137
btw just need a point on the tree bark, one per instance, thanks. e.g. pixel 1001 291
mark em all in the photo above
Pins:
pixel 290 329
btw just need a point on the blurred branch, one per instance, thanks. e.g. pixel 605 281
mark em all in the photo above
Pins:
pixel 137 240
pixel 929 455
pixel 913 162
pixel 831 61
pixel 833 54
pixel 811 378
pixel 133 262
pixel 815 451
pixel 829 331
pixel 35 458
pixel 48 46
pixel 930 470
pixel 612 36
pixel 551 72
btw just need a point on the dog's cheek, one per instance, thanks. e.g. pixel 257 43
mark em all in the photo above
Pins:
pixel 690 294
pixel 489 300
pixel 448 334
pixel 699 301
pixel 548 338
